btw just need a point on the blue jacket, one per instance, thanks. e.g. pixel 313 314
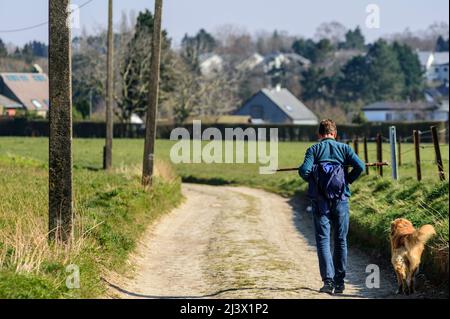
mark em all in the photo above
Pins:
pixel 329 150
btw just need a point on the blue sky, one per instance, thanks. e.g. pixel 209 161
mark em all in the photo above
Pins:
pixel 297 17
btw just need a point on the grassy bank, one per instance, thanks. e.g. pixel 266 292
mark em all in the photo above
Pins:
pixel 376 201
pixel 112 211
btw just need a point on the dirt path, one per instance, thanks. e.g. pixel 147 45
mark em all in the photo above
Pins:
pixel 237 242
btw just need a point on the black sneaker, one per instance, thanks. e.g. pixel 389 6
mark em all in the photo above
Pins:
pixel 328 288
pixel 339 289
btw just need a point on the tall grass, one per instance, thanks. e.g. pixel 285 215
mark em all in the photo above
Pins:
pixel 111 211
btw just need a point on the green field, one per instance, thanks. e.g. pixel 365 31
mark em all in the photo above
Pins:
pixel 114 210
pixel 129 152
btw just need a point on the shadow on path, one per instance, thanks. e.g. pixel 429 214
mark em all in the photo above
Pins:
pixel 215 294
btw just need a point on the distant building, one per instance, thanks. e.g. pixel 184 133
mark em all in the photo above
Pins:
pixel 8 107
pixel 406 111
pixel 210 63
pixel 278 60
pixel 434 65
pixel 24 91
pixel 251 62
pixel 437 94
pixel 277 106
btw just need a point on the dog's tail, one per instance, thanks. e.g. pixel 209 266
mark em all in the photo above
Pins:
pixel 424 233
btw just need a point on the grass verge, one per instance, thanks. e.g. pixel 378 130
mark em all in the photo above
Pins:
pixel 112 211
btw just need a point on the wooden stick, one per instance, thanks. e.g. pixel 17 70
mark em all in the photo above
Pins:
pixel 290 169
pixel 437 151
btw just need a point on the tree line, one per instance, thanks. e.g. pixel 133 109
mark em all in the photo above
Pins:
pixel 345 72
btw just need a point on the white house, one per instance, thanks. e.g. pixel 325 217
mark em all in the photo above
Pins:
pixel 210 63
pixel 251 62
pixel 406 111
pixel 278 59
pixel 434 65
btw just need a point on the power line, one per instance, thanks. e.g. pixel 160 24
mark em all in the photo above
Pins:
pixel 42 23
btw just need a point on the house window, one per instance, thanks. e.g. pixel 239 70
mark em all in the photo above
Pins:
pixel 37 104
pixel 39 78
pixel 257 112
pixel 12 78
pixel 388 116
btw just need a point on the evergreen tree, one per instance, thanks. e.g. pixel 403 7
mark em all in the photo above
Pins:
pixel 193 47
pixel 354 40
pixel 441 44
pixel 35 49
pixel 315 52
pixel 135 71
pixel 314 84
pixel 353 81
pixel 3 50
pixel 306 48
pixel 412 71
pixel 386 79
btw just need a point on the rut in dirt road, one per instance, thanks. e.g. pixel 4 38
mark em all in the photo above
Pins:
pixel 237 242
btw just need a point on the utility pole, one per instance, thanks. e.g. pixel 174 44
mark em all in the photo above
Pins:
pixel 150 134
pixel 107 153
pixel 60 122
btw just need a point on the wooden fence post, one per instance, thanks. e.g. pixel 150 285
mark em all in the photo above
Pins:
pixel 393 141
pixel 356 145
pixel 399 150
pixel 380 153
pixel 437 151
pixel 366 155
pixel 417 153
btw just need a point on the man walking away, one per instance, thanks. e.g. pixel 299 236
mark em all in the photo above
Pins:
pixel 324 168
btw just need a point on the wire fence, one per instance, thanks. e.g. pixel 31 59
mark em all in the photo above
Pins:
pixel 428 154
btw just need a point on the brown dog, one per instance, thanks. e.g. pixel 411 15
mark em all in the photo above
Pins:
pixel 407 245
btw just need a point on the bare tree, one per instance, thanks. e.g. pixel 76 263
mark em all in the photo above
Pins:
pixel 333 31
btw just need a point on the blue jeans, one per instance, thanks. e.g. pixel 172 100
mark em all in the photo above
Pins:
pixel 328 214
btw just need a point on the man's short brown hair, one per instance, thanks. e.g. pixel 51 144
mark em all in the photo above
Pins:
pixel 327 127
